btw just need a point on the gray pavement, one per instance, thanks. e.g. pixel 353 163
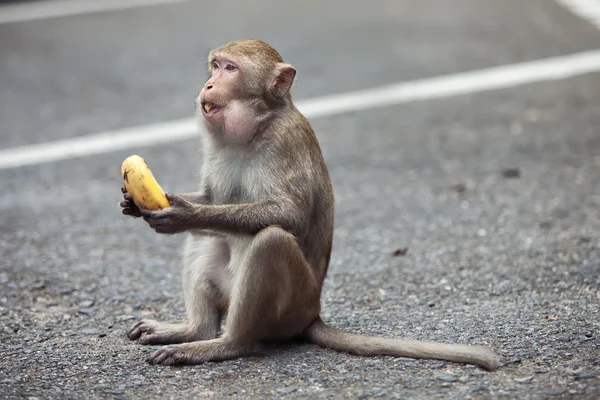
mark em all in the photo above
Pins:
pixel 512 263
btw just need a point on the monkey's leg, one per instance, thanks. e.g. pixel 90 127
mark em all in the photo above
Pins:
pixel 275 296
pixel 205 285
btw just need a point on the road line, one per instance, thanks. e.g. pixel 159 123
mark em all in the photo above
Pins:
pixel 501 77
pixel 62 8
pixel 586 9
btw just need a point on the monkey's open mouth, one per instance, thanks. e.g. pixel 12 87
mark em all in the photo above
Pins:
pixel 210 108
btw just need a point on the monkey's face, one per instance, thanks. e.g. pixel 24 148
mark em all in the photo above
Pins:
pixel 243 86
pixel 225 101
pixel 219 89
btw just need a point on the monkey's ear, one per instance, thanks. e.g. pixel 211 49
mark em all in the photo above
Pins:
pixel 283 81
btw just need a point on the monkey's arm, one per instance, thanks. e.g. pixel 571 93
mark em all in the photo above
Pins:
pixel 252 218
pixel 246 218
pixel 201 197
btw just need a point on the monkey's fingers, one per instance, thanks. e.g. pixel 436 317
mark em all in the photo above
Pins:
pixel 134 334
pixel 137 334
pixel 158 356
pixel 130 212
pixel 123 189
pixel 134 212
pixel 149 215
pixel 156 219
pixel 176 200
pixel 165 231
pixel 128 204
pixel 138 329
pixel 129 207
pixel 136 325
pixel 166 226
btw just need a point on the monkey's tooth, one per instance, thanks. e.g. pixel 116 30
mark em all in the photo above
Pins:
pixel 208 107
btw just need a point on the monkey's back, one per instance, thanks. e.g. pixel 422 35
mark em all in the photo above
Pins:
pixel 319 240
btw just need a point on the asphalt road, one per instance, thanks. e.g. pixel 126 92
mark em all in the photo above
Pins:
pixel 495 195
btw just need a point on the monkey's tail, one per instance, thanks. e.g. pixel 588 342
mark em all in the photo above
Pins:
pixel 326 336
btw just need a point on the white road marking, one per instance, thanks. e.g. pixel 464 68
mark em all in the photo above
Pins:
pixel 104 142
pixel 22 12
pixel 431 88
pixel 586 9
pixel 456 84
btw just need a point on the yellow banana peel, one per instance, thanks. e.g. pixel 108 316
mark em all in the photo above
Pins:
pixel 140 183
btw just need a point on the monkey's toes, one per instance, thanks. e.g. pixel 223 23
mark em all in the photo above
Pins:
pixel 167 355
pixel 160 338
pixel 141 327
pixel 179 354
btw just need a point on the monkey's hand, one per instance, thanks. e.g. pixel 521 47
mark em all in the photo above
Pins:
pixel 177 218
pixel 129 207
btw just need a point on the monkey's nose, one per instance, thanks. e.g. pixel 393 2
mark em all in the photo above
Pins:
pixel 208 87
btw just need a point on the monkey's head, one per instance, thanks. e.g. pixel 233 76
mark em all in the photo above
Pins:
pixel 247 79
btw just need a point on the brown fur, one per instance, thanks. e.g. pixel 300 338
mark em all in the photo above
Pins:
pixel 255 50
pixel 260 229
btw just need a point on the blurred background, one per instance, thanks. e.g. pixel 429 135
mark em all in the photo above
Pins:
pixel 467 199
pixel 101 69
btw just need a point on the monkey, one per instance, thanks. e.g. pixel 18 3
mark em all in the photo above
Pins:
pixel 259 228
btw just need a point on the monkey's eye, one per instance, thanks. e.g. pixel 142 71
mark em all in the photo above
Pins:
pixel 230 67
pixel 215 66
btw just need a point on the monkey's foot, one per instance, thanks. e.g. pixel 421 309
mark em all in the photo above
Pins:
pixel 148 331
pixel 197 352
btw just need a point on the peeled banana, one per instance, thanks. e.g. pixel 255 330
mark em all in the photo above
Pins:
pixel 140 183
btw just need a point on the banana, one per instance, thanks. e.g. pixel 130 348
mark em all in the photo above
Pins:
pixel 140 183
